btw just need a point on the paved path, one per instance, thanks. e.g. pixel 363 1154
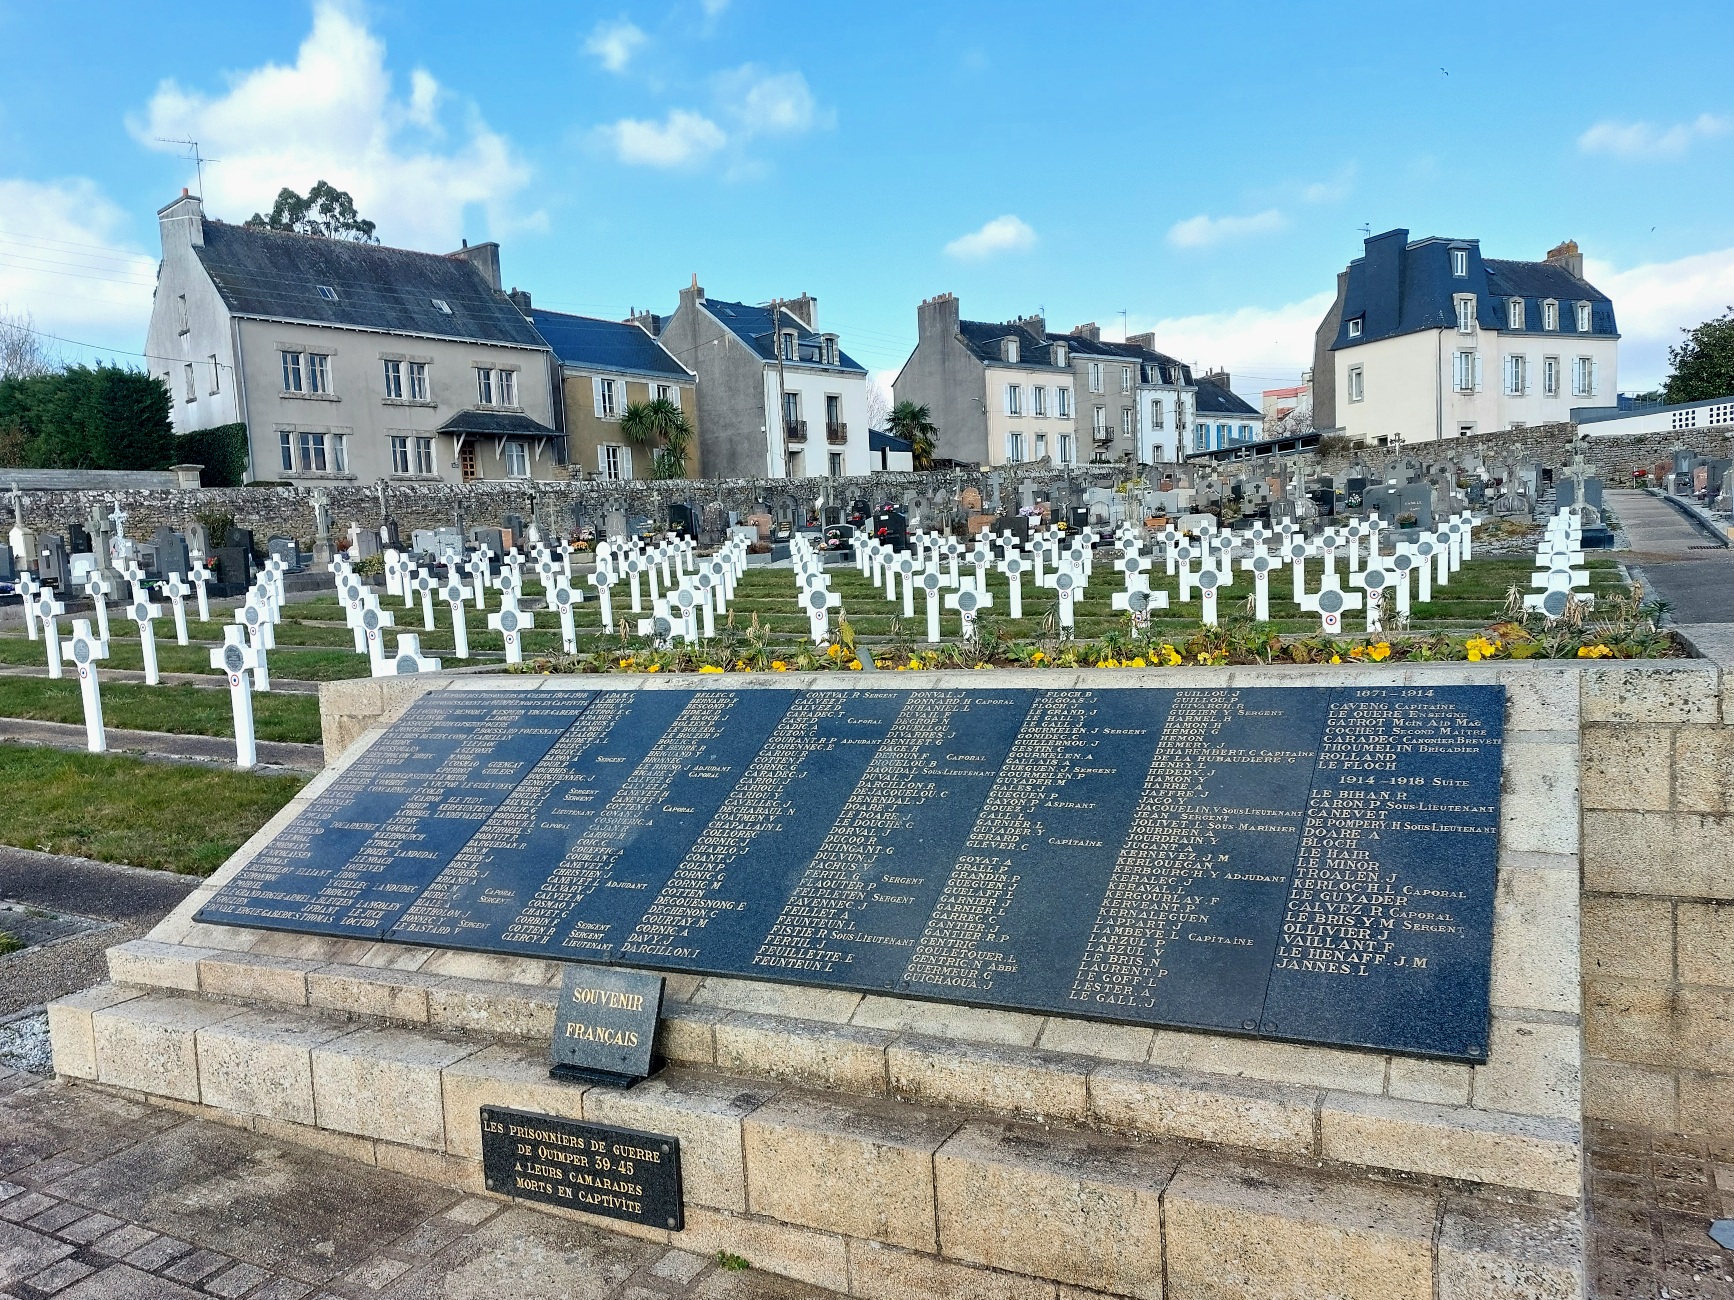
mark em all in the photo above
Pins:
pixel 1652 1195
pixel 1678 562
pixel 125 902
pixel 164 744
pixel 106 1199
pixel 209 681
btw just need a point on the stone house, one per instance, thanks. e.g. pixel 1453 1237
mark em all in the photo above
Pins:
pixel 1134 401
pixel 351 362
pixel 1433 341
pixel 606 366
pixel 777 396
pixel 999 392
pixel 1222 417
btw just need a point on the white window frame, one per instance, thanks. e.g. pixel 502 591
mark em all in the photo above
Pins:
pixel 1010 350
pixel 506 381
pixel 1064 449
pixel 1014 399
pixel 192 390
pixel 1059 354
pixel 319 372
pixel 292 379
pixel 1549 314
pixel 1583 377
pixel 393 379
pixel 424 456
pixel 791 346
pixel 1095 376
pixel 418 385
pixel 1465 371
pixel 1038 400
pixel 1550 376
pixel 484 385
pixel 1098 421
pixel 614 461
pixel 1355 326
pixel 1041 447
pixel 1125 379
pixel 1014 447
pixel 311 452
pixel 1357 384
pixel 1128 418
pixel 1156 413
pixel 517 458
pixel 216 375
pixel 1465 304
pixel 1516 375
pixel 286 450
pixel 1514 314
pixel 605 399
pixel 1459 263
pixel 400 454
pixel 1583 318
pixel 1063 402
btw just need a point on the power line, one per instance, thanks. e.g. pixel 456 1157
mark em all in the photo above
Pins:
pixel 103 347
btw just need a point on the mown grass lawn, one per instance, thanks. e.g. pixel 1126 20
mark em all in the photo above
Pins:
pixel 183 710
pixel 171 817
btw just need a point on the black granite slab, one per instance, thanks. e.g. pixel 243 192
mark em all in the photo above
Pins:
pixel 606 1024
pixel 1311 863
pixel 618 1173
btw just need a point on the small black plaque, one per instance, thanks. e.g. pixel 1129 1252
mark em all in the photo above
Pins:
pixel 618 1173
pixel 605 1025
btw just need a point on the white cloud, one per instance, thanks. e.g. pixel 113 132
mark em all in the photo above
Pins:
pixel 1653 302
pixel 332 115
pixel 65 262
pixel 754 103
pixel 1260 347
pixel 680 140
pixel 1007 234
pixel 769 104
pixel 1205 231
pixel 1646 140
pixel 615 43
pixel 1331 189
pixel 713 8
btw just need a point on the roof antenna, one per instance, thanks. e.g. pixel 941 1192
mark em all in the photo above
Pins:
pixel 193 152
pixel 1366 229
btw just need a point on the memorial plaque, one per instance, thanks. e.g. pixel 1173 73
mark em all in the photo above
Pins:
pixel 605 1024
pixel 1311 863
pixel 618 1173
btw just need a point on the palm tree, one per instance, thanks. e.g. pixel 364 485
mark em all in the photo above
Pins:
pixel 912 423
pixel 662 426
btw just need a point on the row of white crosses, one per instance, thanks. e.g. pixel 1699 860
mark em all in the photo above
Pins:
pixel 1558 566
pixel 696 590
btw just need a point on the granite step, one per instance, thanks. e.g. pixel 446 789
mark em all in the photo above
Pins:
pixel 873 1195
pixel 1332 1104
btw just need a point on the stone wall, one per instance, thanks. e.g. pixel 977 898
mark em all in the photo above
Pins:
pixel 1658 903
pixel 1551 444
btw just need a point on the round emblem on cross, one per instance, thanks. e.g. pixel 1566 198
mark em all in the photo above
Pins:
pixel 1554 603
pixel 233 659
pixel 1374 579
pixel 930 581
pixel 406 664
pixel 81 651
pixel 1208 579
pixel 1330 601
pixel 1063 581
pixel 370 619
pixel 508 620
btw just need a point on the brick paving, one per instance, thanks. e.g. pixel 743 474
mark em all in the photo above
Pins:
pixel 1652 1197
pixel 107 1199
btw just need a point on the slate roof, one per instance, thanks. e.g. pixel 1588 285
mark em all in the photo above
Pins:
pixel 1214 399
pixel 754 327
pixel 1402 287
pixel 1169 370
pixel 497 424
pixel 983 338
pixel 880 440
pixel 605 344
pixel 277 276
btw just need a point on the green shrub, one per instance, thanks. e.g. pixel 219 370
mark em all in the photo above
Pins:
pixel 221 449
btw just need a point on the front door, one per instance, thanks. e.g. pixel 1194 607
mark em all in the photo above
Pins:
pixel 467 461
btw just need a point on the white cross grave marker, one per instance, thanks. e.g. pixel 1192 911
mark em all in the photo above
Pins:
pixel 510 622
pixel 27 588
pixel 561 598
pixel 408 658
pixel 178 591
pixel 1329 602
pixel 374 621
pixel 931 582
pixel 602 579
pixel 47 610
pixel 200 577
pixel 142 611
pixel 252 617
pixel 969 600
pixel 99 589
pixel 456 598
pixel 236 658
pixel 86 650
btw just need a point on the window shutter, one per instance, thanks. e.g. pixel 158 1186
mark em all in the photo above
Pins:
pixel 1592 377
pixel 596 395
pixel 674 395
pixel 626 462
pixel 1475 371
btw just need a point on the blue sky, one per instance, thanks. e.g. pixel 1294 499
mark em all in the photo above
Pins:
pixel 1204 170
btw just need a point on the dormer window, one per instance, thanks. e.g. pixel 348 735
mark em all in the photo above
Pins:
pixel 327 292
pixel 441 306
pixel 789 346
pixel 1583 318
pixel 828 352
pixel 1355 328
pixel 1059 354
pixel 1465 314
pixel 1460 262
pixel 1514 314
pixel 1549 314
pixel 1009 350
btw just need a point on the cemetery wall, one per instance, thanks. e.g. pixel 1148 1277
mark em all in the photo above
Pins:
pixel 1551 444
pixel 1658 902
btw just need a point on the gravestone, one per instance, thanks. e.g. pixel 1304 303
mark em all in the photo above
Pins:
pixel 52 562
pixel 171 551
pixel 77 538
pixel 198 538
pixel 234 564
pixel 286 549
pixel 1350 894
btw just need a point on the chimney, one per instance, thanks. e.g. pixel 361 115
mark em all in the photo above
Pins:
pixel 648 321
pixel 1566 257
pixel 183 222
pixel 805 309
pixel 1145 341
pixel 485 258
pixel 520 299
pixel 692 296
pixel 1091 331
pixel 936 317
pixel 1382 290
pixel 1035 325
pixel 1220 378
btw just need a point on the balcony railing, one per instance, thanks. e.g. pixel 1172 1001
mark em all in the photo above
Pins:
pixel 838 432
pixel 795 430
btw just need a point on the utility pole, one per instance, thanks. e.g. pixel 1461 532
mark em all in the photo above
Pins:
pixel 782 391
